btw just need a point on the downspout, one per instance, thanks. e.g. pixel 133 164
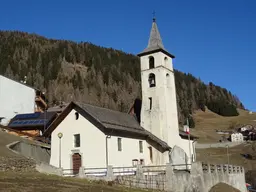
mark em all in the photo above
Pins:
pixel 107 137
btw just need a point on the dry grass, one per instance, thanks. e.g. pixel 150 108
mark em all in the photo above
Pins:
pixel 220 156
pixel 207 122
pixel 5 139
pixel 206 125
pixel 31 182
pixel 221 187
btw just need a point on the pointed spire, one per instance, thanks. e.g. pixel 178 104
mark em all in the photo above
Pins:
pixel 155 41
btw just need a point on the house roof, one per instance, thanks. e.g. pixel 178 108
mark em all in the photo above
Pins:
pixel 113 119
pixel 33 121
pixel 155 43
pixel 110 122
pixel 58 108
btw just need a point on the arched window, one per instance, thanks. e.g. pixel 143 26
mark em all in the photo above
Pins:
pixel 151 62
pixel 168 81
pixel 77 115
pixel 166 61
pixel 152 80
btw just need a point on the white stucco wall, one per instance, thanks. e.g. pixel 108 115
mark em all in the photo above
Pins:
pixel 159 61
pixel 130 151
pixel 93 146
pixel 162 119
pixel 92 143
pixel 184 144
pixel 237 137
pixel 181 157
pixel 15 97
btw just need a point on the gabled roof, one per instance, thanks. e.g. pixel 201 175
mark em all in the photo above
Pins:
pixel 155 43
pixel 110 122
pixel 58 108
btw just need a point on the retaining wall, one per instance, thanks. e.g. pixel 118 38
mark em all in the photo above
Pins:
pixel 39 153
pixel 201 177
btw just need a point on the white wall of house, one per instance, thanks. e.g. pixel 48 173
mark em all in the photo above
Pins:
pixel 130 150
pixel 243 128
pixel 92 146
pixel 181 157
pixel 185 144
pixel 92 143
pixel 237 137
pixel 15 98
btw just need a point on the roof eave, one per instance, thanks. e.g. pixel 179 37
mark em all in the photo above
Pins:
pixel 155 51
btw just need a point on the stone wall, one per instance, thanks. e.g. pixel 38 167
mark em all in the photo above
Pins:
pixel 48 169
pixel 37 158
pixel 37 152
pixel 201 177
pixel 17 164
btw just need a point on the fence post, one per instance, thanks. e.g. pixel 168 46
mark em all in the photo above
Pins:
pixel 170 179
pixel 216 169
pixel 61 172
pixel 209 168
pixel 222 168
pixel 81 173
pixel 139 176
pixel 197 174
pixel 110 173
pixel 231 169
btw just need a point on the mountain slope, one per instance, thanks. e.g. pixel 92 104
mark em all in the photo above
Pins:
pixel 208 122
pixel 88 73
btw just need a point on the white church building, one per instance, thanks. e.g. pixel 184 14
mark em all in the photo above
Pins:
pixel 90 136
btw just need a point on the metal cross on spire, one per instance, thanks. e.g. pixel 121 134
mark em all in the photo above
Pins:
pixel 154 16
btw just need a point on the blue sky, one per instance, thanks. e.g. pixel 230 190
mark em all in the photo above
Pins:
pixel 213 40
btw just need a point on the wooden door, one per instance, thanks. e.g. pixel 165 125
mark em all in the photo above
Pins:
pixel 77 162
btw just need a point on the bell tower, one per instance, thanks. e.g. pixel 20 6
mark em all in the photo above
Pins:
pixel 159 106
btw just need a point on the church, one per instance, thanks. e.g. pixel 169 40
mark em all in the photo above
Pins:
pixel 149 134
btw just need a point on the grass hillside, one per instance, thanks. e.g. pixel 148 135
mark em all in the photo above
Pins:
pixel 207 122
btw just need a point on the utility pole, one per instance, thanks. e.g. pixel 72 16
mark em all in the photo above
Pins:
pixel 44 93
pixel 227 155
